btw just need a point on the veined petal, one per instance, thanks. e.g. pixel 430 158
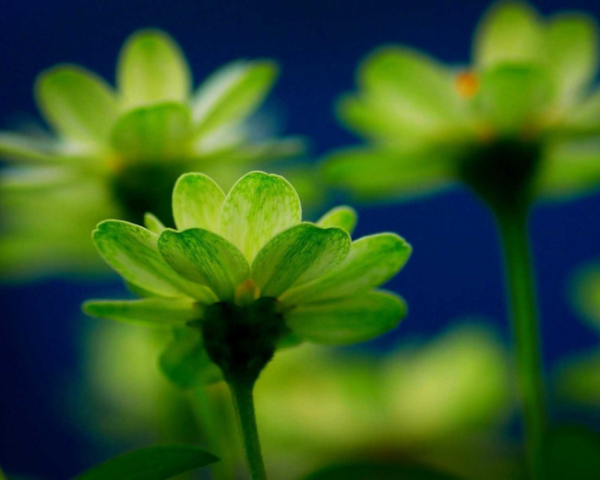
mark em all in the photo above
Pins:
pixel 372 261
pixel 157 132
pixel 206 258
pixel 197 202
pixel 343 217
pixel 152 223
pixel 16 147
pixel 298 255
pixel 132 251
pixel 232 93
pixel 151 312
pixel 510 32
pixel 572 41
pixel 152 69
pixel 348 320
pixel 257 208
pixel 77 103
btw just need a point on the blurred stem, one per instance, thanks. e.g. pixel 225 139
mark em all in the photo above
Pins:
pixel 522 299
pixel 2 476
pixel 243 399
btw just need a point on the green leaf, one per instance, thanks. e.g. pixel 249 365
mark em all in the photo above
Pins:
pixel 348 320
pixel 152 463
pixel 511 96
pixel 132 251
pixel 232 93
pixel 572 41
pixel 257 208
pixel 297 256
pixel 153 133
pixel 206 258
pixel 510 32
pixel 152 69
pixel 16 147
pixel 413 90
pixel 185 361
pixel 343 217
pixel 153 224
pixel 378 471
pixel 371 262
pixel 77 103
pixel 151 312
pixel 383 174
pixel 197 202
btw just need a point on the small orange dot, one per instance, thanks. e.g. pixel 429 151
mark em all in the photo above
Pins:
pixel 467 84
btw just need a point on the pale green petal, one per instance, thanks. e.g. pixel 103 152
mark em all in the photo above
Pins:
pixel 23 180
pixel 232 93
pixel 16 147
pixel 298 255
pixel 153 133
pixel 132 251
pixel 348 320
pixel 257 208
pixel 152 223
pixel 373 174
pixel 197 202
pixel 151 312
pixel 77 103
pixel 510 32
pixel 585 115
pixel 414 91
pixel 343 217
pixel 572 41
pixel 152 69
pixel 513 96
pixel 206 258
pixel 372 261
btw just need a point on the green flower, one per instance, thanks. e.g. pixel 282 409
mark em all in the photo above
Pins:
pixel 127 145
pixel 525 95
pixel 246 263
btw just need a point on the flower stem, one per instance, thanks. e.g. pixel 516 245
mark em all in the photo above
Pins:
pixel 520 280
pixel 243 399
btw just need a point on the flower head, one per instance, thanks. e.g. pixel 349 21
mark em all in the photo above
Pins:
pixel 527 90
pixel 245 262
pixel 129 144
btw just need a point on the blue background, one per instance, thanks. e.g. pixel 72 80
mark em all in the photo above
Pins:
pixel 455 270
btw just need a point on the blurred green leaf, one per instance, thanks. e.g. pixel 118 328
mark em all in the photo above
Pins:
pixel 153 463
pixel 572 452
pixel 376 471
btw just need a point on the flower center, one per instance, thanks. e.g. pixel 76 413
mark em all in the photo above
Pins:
pixel 467 84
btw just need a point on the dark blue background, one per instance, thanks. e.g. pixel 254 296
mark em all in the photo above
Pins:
pixel 455 270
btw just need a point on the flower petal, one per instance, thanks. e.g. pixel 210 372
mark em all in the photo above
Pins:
pixel 371 262
pixel 153 133
pixel 16 147
pixel 572 41
pixel 77 103
pixel 151 312
pixel 348 320
pixel 373 174
pixel 343 217
pixel 152 69
pixel 232 93
pixel 132 251
pixel 257 208
pixel 510 32
pixel 152 223
pixel 197 202
pixel 206 258
pixel 298 255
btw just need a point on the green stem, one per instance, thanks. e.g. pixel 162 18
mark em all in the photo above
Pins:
pixel 519 274
pixel 243 399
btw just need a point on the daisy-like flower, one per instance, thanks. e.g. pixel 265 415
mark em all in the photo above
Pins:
pixel 523 104
pixel 122 149
pixel 243 275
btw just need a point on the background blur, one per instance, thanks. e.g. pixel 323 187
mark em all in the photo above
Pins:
pixel 455 270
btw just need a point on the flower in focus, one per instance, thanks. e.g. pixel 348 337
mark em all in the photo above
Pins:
pixel 525 95
pixel 117 152
pixel 245 262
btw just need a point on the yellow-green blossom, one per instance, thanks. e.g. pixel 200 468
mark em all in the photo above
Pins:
pixel 117 152
pixel 248 257
pixel 526 93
